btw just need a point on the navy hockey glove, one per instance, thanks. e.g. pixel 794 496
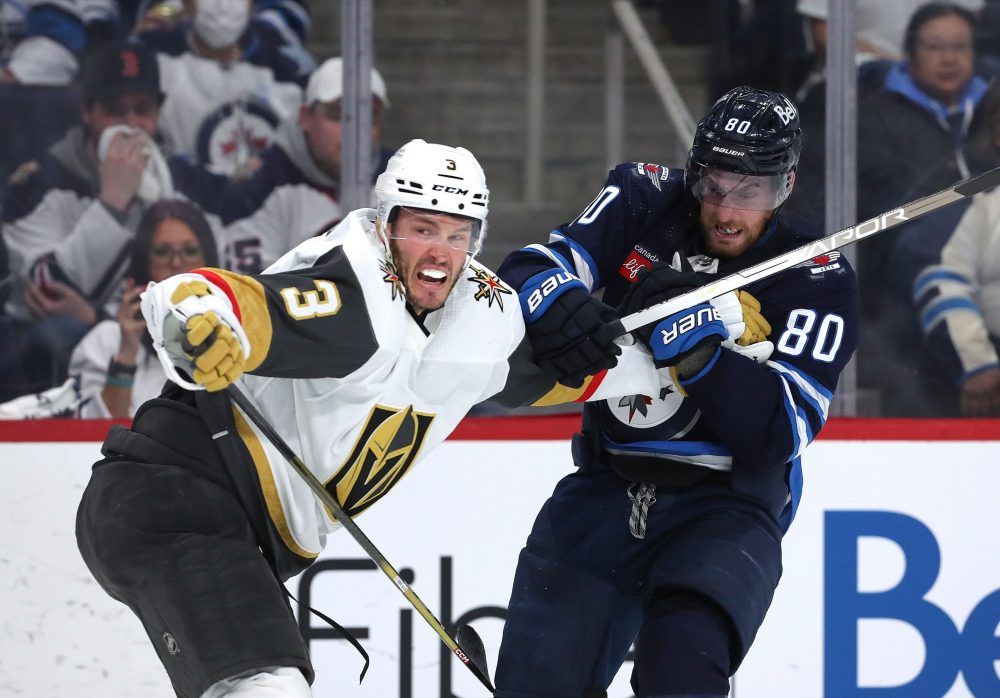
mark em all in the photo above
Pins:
pixel 693 333
pixel 688 338
pixel 655 285
pixel 572 333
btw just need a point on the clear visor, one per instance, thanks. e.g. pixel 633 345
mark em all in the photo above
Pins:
pixel 717 187
pixel 435 228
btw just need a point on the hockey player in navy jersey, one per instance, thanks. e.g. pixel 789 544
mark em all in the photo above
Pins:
pixel 669 533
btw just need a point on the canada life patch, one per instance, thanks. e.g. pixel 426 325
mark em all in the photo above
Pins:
pixel 633 264
pixel 822 263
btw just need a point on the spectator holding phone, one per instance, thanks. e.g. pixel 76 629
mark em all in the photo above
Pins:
pixel 117 368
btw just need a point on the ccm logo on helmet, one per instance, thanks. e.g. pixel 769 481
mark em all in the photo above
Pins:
pixel 689 322
pixel 449 190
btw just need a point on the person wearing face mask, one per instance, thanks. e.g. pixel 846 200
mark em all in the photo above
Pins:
pixel 69 217
pixel 229 82
pixel 295 193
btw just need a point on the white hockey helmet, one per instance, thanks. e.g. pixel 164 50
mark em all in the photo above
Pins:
pixel 438 178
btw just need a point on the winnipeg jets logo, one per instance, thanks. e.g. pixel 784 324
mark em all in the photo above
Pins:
pixel 234 134
pixel 391 277
pixel 645 411
pixel 490 287
pixel 640 403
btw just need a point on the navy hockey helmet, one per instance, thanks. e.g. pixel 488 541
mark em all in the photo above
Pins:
pixel 751 133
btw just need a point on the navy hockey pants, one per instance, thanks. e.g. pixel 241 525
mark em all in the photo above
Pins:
pixel 691 594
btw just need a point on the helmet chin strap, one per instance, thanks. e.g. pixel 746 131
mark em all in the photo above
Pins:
pixel 382 235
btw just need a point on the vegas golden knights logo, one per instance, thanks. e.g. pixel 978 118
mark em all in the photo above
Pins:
pixel 389 443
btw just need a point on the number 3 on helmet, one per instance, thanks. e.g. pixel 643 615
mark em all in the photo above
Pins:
pixel 436 178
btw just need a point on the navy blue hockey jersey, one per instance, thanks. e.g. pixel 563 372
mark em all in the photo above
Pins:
pixel 738 416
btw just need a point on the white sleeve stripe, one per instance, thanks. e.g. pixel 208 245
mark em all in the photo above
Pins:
pixel 584 269
pixel 805 387
pixel 542 249
pixel 799 425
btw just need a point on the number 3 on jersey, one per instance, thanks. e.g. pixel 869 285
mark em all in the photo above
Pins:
pixel 799 327
pixel 303 305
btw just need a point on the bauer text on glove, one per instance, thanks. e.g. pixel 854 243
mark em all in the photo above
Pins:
pixel 572 333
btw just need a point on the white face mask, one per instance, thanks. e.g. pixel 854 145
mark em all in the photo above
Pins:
pixel 219 23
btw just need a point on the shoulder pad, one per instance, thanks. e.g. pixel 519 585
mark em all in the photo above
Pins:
pixel 648 176
pixel 652 171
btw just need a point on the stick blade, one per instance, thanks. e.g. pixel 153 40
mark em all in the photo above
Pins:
pixel 470 643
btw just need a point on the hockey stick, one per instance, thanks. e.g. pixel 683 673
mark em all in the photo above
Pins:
pixel 890 219
pixel 466 645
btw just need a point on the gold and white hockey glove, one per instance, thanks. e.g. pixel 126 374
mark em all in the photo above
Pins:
pixel 194 328
pixel 748 328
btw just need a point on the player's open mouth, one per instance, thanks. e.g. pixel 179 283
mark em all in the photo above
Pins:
pixel 433 277
pixel 726 231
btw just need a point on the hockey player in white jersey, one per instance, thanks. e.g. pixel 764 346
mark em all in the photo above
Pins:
pixel 364 348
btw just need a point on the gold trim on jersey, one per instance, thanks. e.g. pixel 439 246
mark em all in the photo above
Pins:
pixel 561 394
pixel 387 446
pixel 254 314
pixel 274 508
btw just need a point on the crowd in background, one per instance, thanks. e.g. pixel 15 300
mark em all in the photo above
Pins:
pixel 142 139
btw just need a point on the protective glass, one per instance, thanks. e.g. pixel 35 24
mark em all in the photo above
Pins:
pixel 435 228
pixel 717 187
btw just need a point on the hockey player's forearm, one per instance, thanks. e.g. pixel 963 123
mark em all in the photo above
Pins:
pixel 521 265
pixel 745 405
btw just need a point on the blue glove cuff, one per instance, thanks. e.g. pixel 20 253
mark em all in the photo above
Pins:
pixel 681 332
pixel 540 290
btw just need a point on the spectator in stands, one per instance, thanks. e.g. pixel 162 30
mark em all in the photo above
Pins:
pixel 911 142
pixel 755 43
pixel 958 301
pixel 229 83
pixel 69 217
pixel 41 41
pixel 880 38
pixel 880 25
pixel 921 116
pixel 116 366
pixel 938 268
pixel 295 193
pixel 40 44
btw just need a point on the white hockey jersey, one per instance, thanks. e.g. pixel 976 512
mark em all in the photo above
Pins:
pixel 356 384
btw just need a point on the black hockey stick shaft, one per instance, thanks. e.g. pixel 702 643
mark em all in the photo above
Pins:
pixel 889 219
pixel 473 655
